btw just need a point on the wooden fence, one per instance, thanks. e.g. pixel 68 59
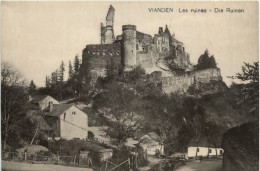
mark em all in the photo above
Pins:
pixel 76 160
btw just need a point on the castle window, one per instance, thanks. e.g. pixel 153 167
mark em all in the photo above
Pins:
pixel 210 151
pixel 73 113
pixel 93 52
pixel 104 53
pixel 64 116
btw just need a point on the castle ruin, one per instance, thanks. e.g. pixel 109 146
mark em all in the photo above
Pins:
pixel 161 52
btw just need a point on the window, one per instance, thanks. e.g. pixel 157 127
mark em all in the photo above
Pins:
pixel 210 151
pixel 73 113
pixel 64 116
pixel 221 152
pixel 198 150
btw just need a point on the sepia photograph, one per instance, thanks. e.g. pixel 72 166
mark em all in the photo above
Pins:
pixel 129 86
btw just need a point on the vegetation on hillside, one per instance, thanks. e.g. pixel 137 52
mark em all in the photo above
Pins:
pixel 206 61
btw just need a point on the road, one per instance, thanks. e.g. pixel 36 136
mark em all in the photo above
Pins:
pixel 19 166
pixel 210 165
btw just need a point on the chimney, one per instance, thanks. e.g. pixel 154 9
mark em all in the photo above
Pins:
pixel 160 30
pixel 50 106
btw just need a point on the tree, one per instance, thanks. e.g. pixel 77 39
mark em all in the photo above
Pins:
pixel 162 116
pixel 249 93
pixel 13 103
pixel 62 69
pixel 32 87
pixel 118 104
pixel 206 61
pixel 195 121
pixel 71 72
pixel 47 81
pixel 76 63
pixel 54 77
pixel 214 134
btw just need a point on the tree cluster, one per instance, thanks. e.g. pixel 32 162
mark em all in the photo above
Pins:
pixel 56 85
pixel 206 61
pixel 16 126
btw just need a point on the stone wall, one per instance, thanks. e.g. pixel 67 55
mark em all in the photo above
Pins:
pixel 95 58
pixel 182 83
pixel 207 74
pixel 176 83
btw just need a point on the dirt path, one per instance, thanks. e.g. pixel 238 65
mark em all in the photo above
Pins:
pixel 211 165
pixel 18 166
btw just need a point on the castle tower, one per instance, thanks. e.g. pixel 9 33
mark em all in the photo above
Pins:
pixel 102 33
pixel 129 46
pixel 109 34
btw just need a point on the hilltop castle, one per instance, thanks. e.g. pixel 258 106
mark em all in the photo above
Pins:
pixel 161 52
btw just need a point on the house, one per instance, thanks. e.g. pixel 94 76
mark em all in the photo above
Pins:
pixel 40 102
pixel 204 151
pixel 58 120
pixel 152 143
pixel 67 121
pixel 203 148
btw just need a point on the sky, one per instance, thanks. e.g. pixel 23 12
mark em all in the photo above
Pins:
pixel 37 36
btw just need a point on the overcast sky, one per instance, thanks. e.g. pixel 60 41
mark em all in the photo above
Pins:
pixel 37 36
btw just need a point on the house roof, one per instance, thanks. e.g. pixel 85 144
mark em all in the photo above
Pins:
pixel 150 139
pixel 38 98
pixel 58 109
pixel 154 136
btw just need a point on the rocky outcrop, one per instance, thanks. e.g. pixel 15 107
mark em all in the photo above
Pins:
pixel 241 148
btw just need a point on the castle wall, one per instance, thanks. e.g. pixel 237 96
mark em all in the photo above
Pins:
pixel 109 35
pixel 147 59
pixel 176 83
pixel 207 74
pixel 182 83
pixel 95 58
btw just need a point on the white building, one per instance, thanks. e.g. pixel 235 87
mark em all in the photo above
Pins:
pixel 58 120
pixel 40 102
pixel 204 151
pixel 67 121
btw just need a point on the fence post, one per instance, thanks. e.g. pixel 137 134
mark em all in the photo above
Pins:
pixel 25 157
pixel 136 164
pixel 129 164
pixel 74 161
pixel 106 166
